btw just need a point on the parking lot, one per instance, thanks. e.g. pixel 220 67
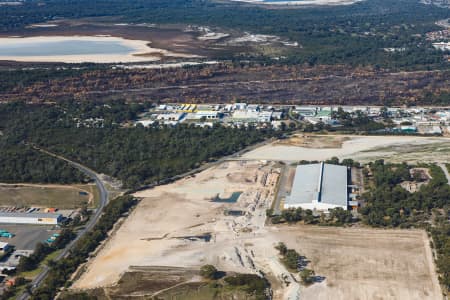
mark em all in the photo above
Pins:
pixel 26 237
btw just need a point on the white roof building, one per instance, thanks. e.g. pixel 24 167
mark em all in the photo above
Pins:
pixel 239 106
pixel 265 116
pixel 145 123
pixel 208 114
pixel 319 187
pixel 30 218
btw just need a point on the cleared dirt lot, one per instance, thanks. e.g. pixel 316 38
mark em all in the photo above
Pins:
pixel 360 263
pixel 314 141
pixel 170 225
pixel 361 148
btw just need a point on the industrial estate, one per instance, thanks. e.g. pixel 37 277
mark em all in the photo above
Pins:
pixel 311 189
pixel 234 214
pixel 421 120
pixel 225 150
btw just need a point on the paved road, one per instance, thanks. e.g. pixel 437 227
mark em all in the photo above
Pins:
pixel 281 193
pixel 104 199
pixel 37 281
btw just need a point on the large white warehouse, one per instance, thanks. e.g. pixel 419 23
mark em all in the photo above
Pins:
pixel 30 218
pixel 319 187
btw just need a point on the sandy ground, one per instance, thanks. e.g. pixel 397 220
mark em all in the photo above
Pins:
pixel 156 233
pixel 165 230
pixel 142 50
pixel 360 148
pixel 314 141
pixel 360 263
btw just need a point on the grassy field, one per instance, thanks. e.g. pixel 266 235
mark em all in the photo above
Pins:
pixel 62 197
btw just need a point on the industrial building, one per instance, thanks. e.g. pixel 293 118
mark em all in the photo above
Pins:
pixel 30 218
pixel 319 187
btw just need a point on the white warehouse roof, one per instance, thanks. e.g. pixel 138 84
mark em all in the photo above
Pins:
pixel 319 186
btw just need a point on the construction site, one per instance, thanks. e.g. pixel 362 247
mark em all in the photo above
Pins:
pixel 195 221
pixel 218 217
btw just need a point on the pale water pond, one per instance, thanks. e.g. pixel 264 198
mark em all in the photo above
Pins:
pixel 25 47
pixel 77 49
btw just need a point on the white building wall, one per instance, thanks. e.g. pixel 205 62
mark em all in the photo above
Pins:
pixel 314 206
pixel 27 220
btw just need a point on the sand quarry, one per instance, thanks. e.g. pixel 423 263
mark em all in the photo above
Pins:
pixel 169 226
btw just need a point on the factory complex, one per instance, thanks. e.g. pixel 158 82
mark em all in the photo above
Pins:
pixel 319 187
pixel 416 120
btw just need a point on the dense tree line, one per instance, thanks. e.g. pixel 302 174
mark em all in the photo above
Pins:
pixel 389 204
pixel 250 283
pixel 440 234
pixel 135 155
pixel 21 164
pixel 61 271
pixel 356 122
pixel 355 34
pixel 335 217
pixel 140 156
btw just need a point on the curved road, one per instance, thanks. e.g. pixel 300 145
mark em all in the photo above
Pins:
pixel 37 281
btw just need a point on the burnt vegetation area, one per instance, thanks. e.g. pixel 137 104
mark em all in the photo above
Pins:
pixel 346 55
pixel 229 82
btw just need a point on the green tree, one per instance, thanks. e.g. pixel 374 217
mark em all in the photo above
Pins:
pixel 208 272
pixel 307 276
